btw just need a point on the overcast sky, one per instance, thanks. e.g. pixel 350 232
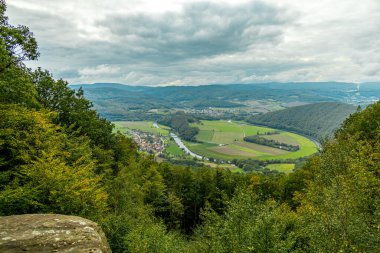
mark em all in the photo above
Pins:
pixel 167 42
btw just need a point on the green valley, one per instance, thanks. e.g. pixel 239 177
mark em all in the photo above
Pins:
pixel 224 140
pixel 192 169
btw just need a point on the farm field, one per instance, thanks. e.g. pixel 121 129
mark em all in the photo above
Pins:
pixel 281 138
pixel 174 150
pixel 145 126
pixel 223 132
pixel 224 140
pixel 282 167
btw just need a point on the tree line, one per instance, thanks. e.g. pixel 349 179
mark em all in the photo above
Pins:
pixel 271 143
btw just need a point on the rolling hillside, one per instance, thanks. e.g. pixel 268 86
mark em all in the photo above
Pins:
pixel 315 120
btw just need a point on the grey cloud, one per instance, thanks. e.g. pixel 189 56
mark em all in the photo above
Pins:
pixel 52 31
pixel 163 47
pixel 57 39
pixel 200 30
pixel 68 73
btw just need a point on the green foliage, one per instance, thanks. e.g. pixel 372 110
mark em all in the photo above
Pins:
pixel 41 170
pixel 16 86
pixel 340 207
pixel 17 43
pixel 136 194
pixel 363 125
pixel 249 225
pixel 153 237
pixel 74 111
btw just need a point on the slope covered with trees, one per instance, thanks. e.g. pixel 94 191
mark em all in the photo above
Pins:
pixel 315 120
pixel 58 156
pixel 330 205
pixel 179 122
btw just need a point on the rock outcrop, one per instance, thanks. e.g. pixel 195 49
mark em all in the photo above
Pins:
pixel 50 233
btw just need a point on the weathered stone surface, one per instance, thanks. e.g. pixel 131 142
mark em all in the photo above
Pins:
pixel 50 233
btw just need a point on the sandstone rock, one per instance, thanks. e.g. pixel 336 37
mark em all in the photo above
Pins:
pixel 50 233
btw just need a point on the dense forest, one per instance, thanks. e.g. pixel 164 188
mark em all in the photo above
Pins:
pixel 57 155
pixel 179 122
pixel 315 120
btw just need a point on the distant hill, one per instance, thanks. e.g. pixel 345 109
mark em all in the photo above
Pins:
pixel 315 120
pixel 125 102
pixel 217 95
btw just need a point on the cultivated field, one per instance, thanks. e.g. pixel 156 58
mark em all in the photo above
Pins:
pixel 282 167
pixel 224 132
pixel 224 140
pixel 145 126
pixel 284 138
pixel 174 150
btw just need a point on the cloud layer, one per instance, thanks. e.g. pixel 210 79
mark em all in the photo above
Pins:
pixel 201 42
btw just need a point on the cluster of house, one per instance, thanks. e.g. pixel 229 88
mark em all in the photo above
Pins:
pixel 209 111
pixel 148 142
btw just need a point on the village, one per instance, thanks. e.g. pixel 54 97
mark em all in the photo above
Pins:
pixel 148 142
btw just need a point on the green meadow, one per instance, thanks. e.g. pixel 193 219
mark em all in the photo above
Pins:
pixel 282 167
pixel 145 126
pixel 174 150
pixel 225 140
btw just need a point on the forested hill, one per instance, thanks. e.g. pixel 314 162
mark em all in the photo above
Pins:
pixel 315 120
